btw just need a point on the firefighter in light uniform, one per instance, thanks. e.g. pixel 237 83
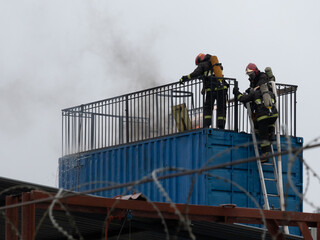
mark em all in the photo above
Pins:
pixel 262 102
pixel 215 89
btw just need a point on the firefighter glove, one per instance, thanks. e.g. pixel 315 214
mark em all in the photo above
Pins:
pixel 249 90
pixel 183 79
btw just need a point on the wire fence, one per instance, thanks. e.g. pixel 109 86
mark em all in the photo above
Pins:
pixel 157 112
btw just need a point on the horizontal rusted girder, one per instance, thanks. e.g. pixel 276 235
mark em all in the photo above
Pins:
pixel 195 212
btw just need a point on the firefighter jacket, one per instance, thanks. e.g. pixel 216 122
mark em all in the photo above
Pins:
pixel 258 108
pixel 205 71
pixel 260 79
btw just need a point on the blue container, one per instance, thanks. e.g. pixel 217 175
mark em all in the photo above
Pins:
pixel 190 150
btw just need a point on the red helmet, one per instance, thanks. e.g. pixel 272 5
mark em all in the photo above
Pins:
pixel 252 67
pixel 199 58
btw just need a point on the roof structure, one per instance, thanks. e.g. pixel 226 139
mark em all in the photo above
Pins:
pixel 34 214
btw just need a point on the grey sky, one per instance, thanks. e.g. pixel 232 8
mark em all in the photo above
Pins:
pixel 56 54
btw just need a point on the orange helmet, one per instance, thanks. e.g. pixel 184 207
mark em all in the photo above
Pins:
pixel 199 58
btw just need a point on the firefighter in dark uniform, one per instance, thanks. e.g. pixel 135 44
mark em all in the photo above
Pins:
pixel 215 89
pixel 262 100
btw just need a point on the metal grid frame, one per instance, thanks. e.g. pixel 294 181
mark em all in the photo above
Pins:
pixel 149 114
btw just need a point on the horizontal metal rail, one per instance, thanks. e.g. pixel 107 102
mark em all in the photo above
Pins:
pixel 157 112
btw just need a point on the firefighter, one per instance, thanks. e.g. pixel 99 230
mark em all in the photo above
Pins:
pixel 214 86
pixel 262 101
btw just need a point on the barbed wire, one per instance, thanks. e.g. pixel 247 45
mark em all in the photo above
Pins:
pixel 153 178
pixel 292 159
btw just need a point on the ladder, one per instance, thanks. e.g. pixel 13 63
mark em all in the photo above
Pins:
pixel 277 171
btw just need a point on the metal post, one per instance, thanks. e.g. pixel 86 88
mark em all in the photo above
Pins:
pixel 92 130
pixel 80 128
pixel 127 119
pixel 236 129
pixel 121 130
pixel 12 217
pixel 295 112
pixel 62 136
pixel 304 230
pixel 27 218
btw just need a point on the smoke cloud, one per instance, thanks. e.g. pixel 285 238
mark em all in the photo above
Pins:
pixel 53 59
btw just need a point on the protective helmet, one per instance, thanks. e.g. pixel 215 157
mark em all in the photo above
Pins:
pixel 252 68
pixel 199 58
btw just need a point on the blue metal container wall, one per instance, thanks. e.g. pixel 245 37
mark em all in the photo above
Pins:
pixel 191 150
pixel 132 162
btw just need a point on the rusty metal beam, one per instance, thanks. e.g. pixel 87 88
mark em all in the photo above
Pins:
pixel 27 218
pixel 84 203
pixel 195 212
pixel 274 230
pixel 305 231
pixel 12 219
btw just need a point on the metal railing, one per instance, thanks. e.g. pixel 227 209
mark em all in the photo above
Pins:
pixel 287 110
pixel 156 112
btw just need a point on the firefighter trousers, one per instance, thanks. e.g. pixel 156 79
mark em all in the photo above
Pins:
pixel 265 130
pixel 221 97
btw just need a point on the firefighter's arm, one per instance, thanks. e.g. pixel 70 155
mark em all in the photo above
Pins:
pixel 198 72
pixel 184 78
pixel 244 98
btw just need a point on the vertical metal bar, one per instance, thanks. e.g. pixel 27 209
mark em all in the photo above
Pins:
pixel 111 122
pixel 143 120
pixel 132 116
pixel 160 120
pixel 157 114
pixel 62 134
pixel 149 116
pixel 68 133
pixel 236 111
pixel 171 110
pixel 104 124
pixel 287 117
pixel 80 128
pixel 304 230
pixel 92 130
pixel 12 219
pixel 165 112
pixel 274 230
pixel 136 119
pixel 279 108
pixel 85 130
pixel 27 218
pixel 74 131
pixel 127 118
pixel 295 113
pixel 291 111
pixel 144 117
pixel 97 111
pixel 119 113
pixel 108 133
